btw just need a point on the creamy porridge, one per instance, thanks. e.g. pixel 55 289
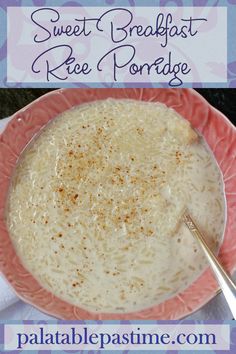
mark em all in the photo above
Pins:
pixel 96 200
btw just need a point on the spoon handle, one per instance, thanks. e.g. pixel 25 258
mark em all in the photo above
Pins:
pixel 227 285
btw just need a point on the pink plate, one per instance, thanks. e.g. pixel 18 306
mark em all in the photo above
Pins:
pixel 218 132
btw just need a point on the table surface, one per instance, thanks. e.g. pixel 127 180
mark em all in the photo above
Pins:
pixel 11 100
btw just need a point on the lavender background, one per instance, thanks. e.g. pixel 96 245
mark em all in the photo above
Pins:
pixel 231 4
pixel 231 323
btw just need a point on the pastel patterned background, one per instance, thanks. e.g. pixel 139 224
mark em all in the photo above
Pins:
pixel 231 70
pixel 175 323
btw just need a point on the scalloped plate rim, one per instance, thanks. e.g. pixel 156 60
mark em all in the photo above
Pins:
pixel 31 302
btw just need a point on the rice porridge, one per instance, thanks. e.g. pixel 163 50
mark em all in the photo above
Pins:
pixel 95 205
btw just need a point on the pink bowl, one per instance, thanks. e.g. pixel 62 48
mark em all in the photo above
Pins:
pixel 220 135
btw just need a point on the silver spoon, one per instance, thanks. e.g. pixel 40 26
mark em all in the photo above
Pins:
pixel 227 285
